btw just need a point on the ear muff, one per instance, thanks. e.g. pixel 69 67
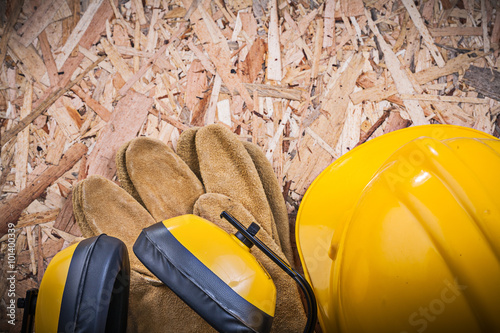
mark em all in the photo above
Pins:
pixel 85 288
pixel 210 270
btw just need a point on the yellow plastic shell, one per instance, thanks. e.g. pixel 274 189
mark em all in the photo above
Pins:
pixel 402 234
pixel 48 304
pixel 227 258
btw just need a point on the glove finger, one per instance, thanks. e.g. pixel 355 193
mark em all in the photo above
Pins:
pixel 274 197
pixel 289 316
pixel 227 168
pixel 164 183
pixel 101 206
pixel 122 174
pixel 186 149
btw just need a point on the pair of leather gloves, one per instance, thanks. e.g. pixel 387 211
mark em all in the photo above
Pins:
pixel 212 171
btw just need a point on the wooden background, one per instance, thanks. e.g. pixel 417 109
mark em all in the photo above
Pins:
pixel 305 80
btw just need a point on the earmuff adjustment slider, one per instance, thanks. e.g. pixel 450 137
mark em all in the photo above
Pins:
pixel 253 229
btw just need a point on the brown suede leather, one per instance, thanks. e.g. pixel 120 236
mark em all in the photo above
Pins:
pixel 122 173
pixel 163 181
pixel 154 308
pixel 101 206
pixel 274 196
pixel 226 168
pixel 186 149
pixel 289 316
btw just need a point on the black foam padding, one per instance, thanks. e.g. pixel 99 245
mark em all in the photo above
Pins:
pixel 96 292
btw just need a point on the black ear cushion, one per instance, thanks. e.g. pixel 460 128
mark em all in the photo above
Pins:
pixel 95 297
pixel 196 284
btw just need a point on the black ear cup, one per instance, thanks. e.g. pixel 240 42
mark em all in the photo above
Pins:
pixel 95 297
pixel 195 283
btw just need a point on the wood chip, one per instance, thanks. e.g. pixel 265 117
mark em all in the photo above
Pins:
pixel 224 112
pixel 279 132
pixel 322 143
pixel 484 80
pixel 266 90
pixel 31 61
pixel 139 10
pixel 55 94
pixel 327 128
pixel 42 17
pixel 273 42
pixel 11 209
pixel 436 98
pixel 383 91
pixel 78 32
pixel 135 77
pixel 128 116
pixel 55 146
pixel 424 32
pixel 403 84
pixel 329 24
pixel 214 97
pixel 16 7
pixel 48 59
pixel 22 147
pixel 37 218
pixel 456 31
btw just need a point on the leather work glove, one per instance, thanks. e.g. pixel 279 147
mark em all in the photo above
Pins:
pixel 241 174
pixel 101 206
pixel 215 172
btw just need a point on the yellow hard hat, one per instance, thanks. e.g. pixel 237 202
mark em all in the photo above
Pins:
pixel 402 234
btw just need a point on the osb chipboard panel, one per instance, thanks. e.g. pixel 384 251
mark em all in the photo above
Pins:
pixel 305 80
